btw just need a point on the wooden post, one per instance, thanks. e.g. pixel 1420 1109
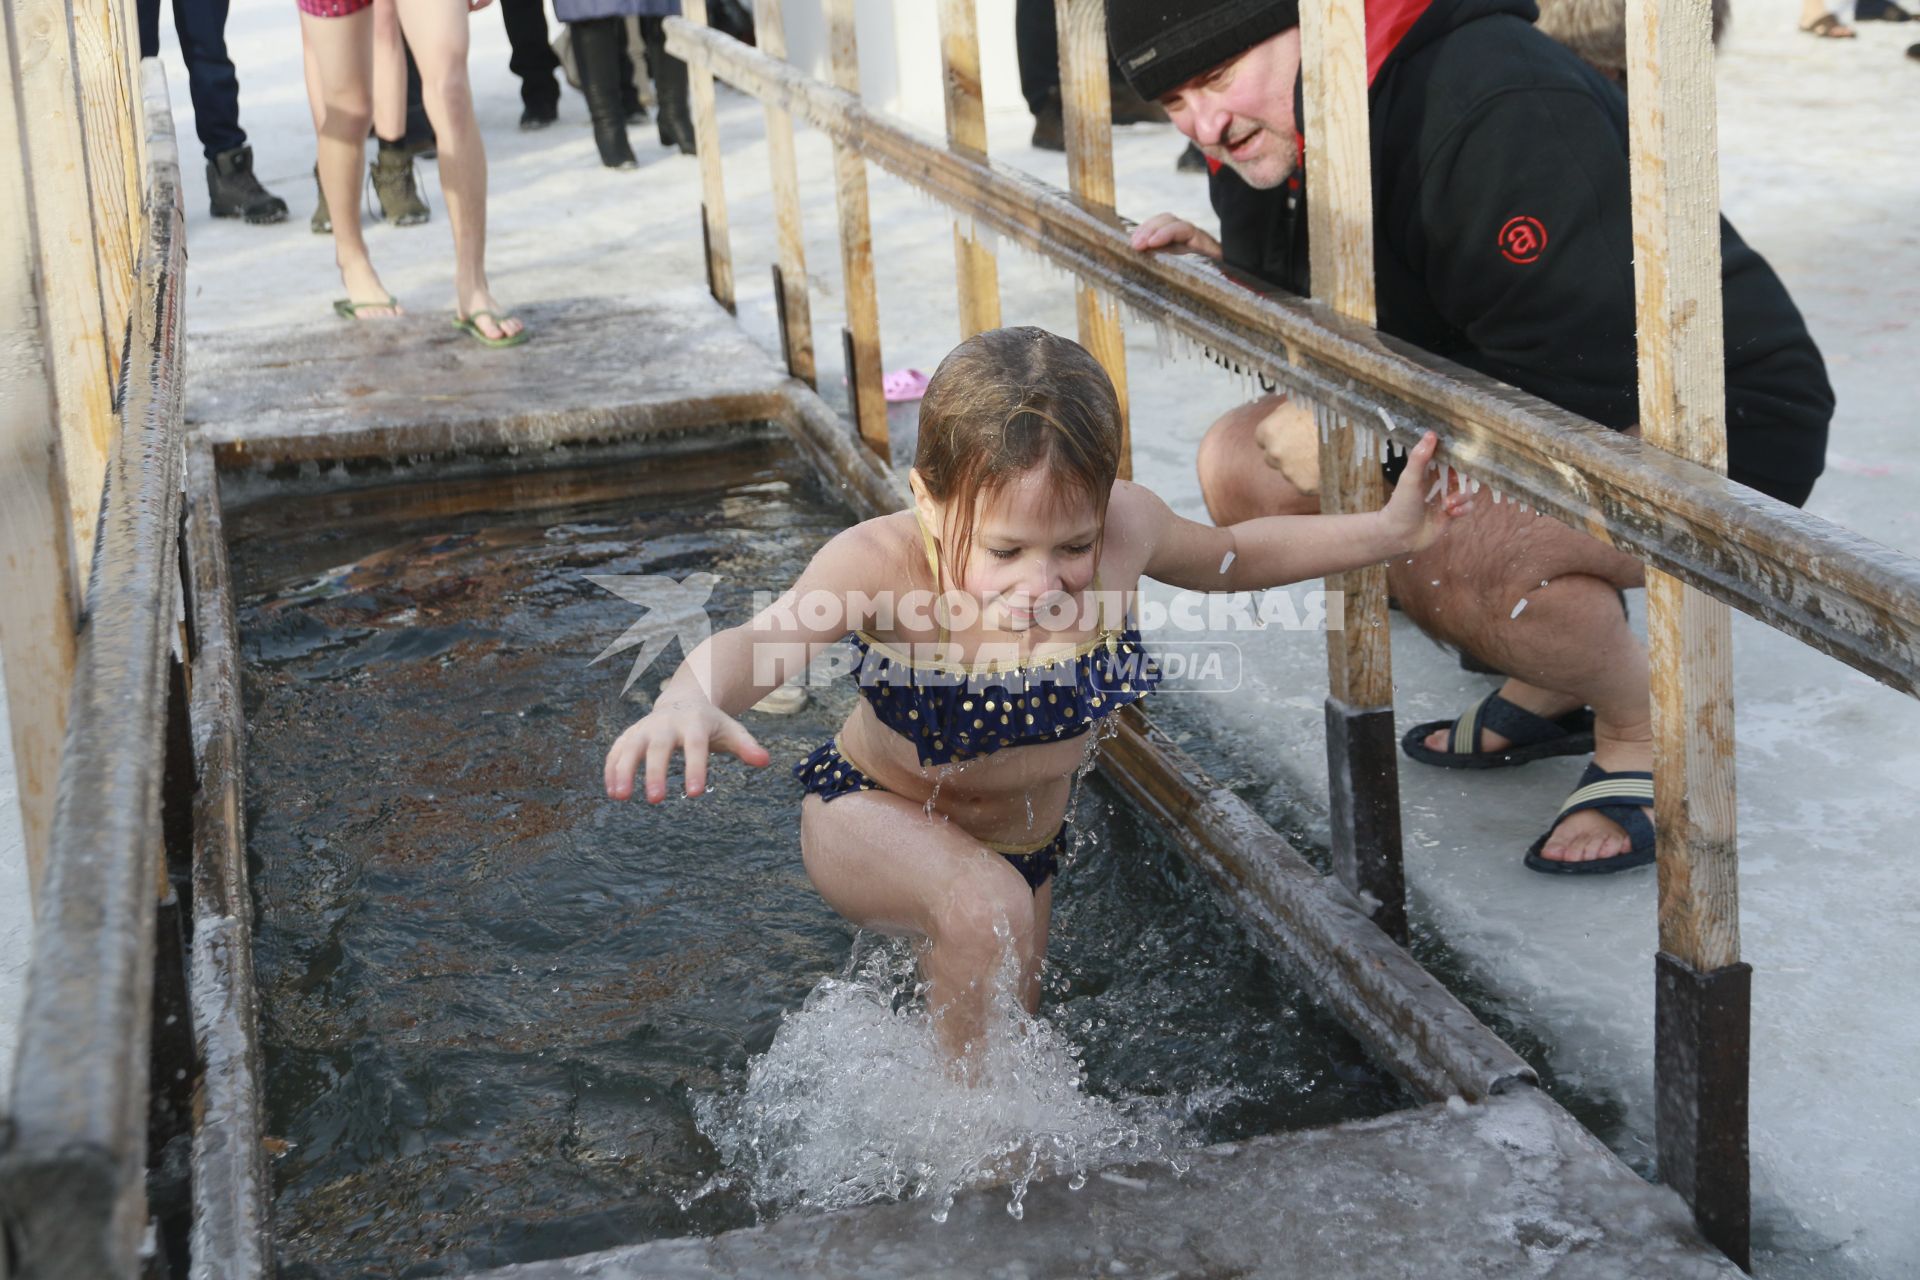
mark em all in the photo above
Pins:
pixel 861 338
pixel 1362 763
pixel 38 579
pixel 109 125
pixel 1087 106
pixel 975 267
pixel 713 192
pixel 67 270
pixel 1702 988
pixel 790 288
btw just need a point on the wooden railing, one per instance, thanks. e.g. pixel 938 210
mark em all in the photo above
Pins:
pixel 73 160
pixel 90 570
pixel 1708 543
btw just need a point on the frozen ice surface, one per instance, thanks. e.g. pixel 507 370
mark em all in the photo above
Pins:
pixel 1826 766
pixel 1514 1188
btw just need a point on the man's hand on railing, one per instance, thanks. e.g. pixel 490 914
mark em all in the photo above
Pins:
pixel 1175 235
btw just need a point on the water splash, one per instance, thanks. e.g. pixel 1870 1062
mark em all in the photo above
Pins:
pixel 855 1102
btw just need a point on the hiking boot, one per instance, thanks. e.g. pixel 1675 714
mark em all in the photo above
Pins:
pixel 234 192
pixel 392 174
pixel 322 222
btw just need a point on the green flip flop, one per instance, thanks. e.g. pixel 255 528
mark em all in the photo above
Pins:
pixel 351 310
pixel 466 325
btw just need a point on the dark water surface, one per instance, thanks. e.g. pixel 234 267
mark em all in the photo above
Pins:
pixel 490 996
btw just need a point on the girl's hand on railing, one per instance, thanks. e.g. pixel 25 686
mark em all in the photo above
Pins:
pixel 691 725
pixel 1411 509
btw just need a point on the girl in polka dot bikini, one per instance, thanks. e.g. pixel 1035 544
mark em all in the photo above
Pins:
pixel 986 650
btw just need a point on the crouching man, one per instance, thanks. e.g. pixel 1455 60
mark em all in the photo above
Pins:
pixel 1502 241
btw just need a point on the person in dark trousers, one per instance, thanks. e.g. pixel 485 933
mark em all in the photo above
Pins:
pixel 1036 40
pixel 201 27
pixel 533 61
pixel 597 31
pixel 1503 242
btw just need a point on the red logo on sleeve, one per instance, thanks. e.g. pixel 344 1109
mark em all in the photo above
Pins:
pixel 1523 240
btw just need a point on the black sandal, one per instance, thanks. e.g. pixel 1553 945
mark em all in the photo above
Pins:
pixel 1616 796
pixel 1531 737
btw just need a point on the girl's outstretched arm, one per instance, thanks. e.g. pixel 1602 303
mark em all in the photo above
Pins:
pixel 731 670
pixel 1275 550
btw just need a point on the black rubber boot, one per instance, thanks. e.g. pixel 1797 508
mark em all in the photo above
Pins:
pixel 670 87
pixel 1050 125
pixel 234 192
pixel 596 55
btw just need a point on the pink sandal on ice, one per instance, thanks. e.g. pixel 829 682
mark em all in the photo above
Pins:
pixel 903 385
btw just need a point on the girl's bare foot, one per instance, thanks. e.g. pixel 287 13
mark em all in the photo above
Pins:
pixel 367 297
pixel 478 305
pixel 1817 20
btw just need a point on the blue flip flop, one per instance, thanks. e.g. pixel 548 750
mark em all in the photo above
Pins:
pixel 1530 737
pixel 1618 796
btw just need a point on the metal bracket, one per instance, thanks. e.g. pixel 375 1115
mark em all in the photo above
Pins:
pixel 1700 1052
pixel 1364 798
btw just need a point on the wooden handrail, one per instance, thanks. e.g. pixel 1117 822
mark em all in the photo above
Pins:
pixel 1828 587
pixel 72 1179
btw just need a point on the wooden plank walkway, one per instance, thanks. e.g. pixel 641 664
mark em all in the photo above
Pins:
pixel 594 369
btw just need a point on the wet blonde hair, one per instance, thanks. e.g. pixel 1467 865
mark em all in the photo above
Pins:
pixel 1004 402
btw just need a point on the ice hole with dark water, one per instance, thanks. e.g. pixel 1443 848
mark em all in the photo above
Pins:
pixel 502 1015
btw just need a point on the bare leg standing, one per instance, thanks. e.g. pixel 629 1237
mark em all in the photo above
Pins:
pixel 341 50
pixel 881 862
pixel 437 32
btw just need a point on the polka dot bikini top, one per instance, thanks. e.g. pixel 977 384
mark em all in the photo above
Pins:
pixel 950 712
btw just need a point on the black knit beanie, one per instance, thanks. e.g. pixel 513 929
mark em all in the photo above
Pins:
pixel 1162 44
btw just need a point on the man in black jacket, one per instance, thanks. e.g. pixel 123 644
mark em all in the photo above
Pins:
pixel 1502 241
